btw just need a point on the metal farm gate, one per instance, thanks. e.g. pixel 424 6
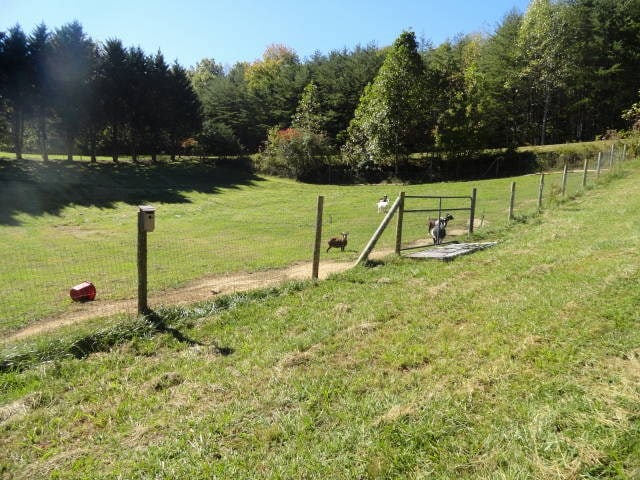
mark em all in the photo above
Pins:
pixel 435 205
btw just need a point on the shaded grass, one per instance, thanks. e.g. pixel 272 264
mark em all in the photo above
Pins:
pixel 80 342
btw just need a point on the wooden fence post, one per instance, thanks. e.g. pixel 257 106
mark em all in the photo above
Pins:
pixel 472 211
pixel 399 224
pixel 584 173
pixel 564 179
pixel 146 223
pixel 540 189
pixel 624 152
pixel 598 165
pixel 611 158
pixel 512 200
pixel 318 241
pixel 376 235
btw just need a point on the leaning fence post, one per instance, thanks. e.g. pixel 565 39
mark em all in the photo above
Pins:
pixel 540 189
pixel 399 224
pixel 146 223
pixel 598 165
pixel 318 241
pixel 584 172
pixel 564 179
pixel 472 210
pixel 512 200
pixel 376 235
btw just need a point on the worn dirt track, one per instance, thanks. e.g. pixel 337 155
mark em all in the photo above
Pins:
pixel 199 290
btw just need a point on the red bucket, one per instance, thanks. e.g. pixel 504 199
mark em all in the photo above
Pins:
pixel 83 292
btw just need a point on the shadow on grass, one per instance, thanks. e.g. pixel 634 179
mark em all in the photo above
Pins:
pixel 100 341
pixel 39 188
pixel 161 327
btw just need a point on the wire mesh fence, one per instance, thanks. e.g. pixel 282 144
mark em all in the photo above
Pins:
pixel 218 244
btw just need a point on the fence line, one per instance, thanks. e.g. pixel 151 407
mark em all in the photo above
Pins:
pixel 202 248
pixel 569 178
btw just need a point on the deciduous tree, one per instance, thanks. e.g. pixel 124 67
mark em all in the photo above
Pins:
pixel 389 122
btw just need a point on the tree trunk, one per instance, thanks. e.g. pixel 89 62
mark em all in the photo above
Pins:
pixel 42 135
pixel 18 134
pixel 114 143
pixel 92 144
pixel 69 146
pixel 545 114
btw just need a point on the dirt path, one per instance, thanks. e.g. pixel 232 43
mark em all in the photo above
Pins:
pixel 196 291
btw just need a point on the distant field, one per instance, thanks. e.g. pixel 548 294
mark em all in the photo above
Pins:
pixel 62 223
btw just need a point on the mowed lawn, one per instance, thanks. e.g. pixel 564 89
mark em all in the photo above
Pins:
pixel 62 223
pixel 520 361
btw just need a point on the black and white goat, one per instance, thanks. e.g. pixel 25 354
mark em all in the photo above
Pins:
pixel 438 228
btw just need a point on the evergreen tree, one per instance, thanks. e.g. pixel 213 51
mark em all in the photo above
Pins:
pixel 137 100
pixel 112 89
pixel 41 94
pixel 185 118
pixel 499 99
pixel 15 83
pixel 341 77
pixel 71 60
pixel 158 111
pixel 458 117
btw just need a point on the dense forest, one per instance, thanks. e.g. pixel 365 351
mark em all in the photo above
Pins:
pixel 562 71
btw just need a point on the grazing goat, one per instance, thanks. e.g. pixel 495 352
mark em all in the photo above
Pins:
pixel 383 204
pixel 340 241
pixel 438 228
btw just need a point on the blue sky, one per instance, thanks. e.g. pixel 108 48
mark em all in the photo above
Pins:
pixel 239 30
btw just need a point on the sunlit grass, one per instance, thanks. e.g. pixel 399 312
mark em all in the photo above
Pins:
pixel 71 222
pixel 520 361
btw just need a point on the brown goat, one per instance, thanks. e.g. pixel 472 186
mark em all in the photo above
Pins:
pixel 340 241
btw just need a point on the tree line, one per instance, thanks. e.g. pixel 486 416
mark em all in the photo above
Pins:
pixel 561 71
pixel 62 91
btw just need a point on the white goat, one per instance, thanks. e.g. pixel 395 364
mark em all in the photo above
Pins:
pixel 383 204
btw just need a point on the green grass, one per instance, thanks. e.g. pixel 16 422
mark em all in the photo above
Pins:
pixel 62 223
pixel 520 361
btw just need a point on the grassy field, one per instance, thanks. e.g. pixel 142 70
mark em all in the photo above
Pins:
pixel 521 361
pixel 62 223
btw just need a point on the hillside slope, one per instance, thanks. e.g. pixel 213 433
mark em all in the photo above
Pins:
pixel 521 361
